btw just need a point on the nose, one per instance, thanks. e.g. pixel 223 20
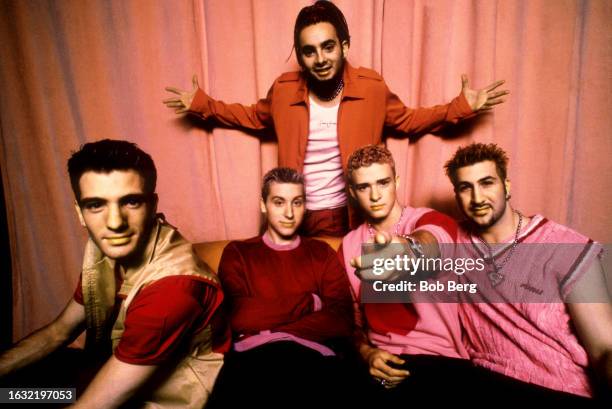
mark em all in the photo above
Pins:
pixel 374 194
pixel 476 195
pixel 289 211
pixel 115 219
pixel 319 58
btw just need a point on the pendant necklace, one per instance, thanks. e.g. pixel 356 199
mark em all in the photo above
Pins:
pixel 495 276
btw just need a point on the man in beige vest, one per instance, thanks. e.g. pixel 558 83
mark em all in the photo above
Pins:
pixel 144 297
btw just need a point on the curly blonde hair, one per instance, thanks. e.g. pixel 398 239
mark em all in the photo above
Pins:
pixel 367 155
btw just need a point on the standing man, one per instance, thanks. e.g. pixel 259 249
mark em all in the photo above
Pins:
pixel 412 350
pixel 542 351
pixel 289 305
pixel 329 109
pixel 144 297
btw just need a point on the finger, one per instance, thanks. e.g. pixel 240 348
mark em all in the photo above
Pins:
pixel 378 374
pixel 494 102
pixel 181 111
pixel 174 104
pixel 494 85
pixel 464 81
pixel 397 373
pixel 497 94
pixel 173 99
pixel 396 359
pixel 356 262
pixel 194 81
pixel 382 237
pixel 174 90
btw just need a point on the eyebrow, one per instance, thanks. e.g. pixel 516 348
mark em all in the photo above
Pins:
pixel 132 196
pixel 465 182
pixel 87 200
pixel 324 44
pixel 282 198
pixel 358 185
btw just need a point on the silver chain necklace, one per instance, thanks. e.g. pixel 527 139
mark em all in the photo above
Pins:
pixel 495 276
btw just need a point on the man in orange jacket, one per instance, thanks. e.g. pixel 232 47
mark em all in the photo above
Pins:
pixel 328 110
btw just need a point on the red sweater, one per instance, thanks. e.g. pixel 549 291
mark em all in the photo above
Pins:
pixel 272 289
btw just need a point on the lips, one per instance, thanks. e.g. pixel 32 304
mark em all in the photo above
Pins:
pixel 118 240
pixel 480 211
pixel 287 224
pixel 377 207
pixel 323 71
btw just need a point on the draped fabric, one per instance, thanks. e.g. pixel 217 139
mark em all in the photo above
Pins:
pixel 73 71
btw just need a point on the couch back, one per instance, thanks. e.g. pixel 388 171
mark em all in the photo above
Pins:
pixel 210 252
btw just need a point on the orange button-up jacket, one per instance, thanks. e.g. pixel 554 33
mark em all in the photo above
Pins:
pixel 366 109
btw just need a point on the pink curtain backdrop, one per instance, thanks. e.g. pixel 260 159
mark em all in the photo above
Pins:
pixel 74 71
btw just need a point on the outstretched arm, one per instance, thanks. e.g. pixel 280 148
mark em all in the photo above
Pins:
pixel 197 102
pixel 468 103
pixel 63 330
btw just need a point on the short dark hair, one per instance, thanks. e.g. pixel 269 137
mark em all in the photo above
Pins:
pixel 107 155
pixel 321 12
pixel 367 155
pixel 280 175
pixel 476 153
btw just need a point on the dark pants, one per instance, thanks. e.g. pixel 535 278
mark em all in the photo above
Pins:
pixel 280 375
pixel 495 386
pixel 326 222
pixel 438 380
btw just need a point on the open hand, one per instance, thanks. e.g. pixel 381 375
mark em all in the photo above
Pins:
pixel 182 102
pixel 483 99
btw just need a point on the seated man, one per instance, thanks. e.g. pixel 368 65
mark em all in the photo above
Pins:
pixel 414 350
pixel 534 350
pixel 288 303
pixel 144 297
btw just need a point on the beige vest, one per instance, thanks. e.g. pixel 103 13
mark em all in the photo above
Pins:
pixel 189 383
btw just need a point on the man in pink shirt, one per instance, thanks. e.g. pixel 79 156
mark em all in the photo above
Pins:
pixel 553 350
pixel 412 350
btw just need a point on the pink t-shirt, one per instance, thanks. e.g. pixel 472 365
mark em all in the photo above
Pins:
pixel 323 174
pixel 532 342
pixel 437 330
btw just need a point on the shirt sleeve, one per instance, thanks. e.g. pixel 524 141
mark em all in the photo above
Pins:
pixel 256 116
pixel 422 120
pixel 163 316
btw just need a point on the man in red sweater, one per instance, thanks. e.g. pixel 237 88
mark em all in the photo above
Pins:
pixel 288 304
